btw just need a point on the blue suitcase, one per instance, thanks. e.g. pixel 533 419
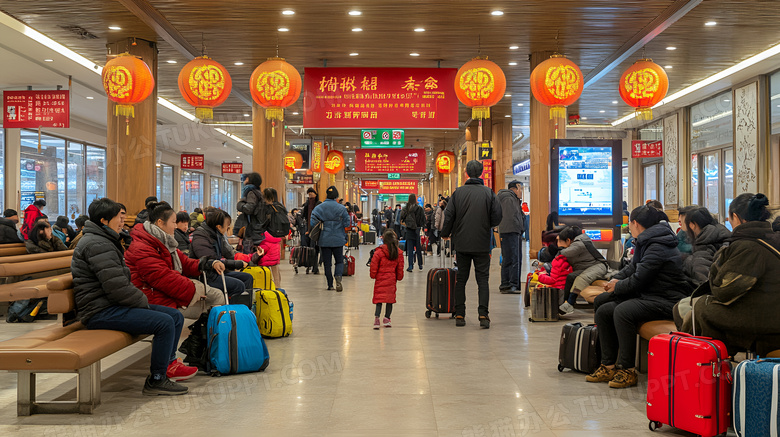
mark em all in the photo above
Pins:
pixel 756 396
pixel 235 344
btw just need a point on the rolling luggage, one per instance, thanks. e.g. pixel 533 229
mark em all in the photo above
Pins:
pixel 353 238
pixel 689 384
pixel 234 343
pixel 273 313
pixel 440 290
pixel 349 265
pixel 263 279
pixel 305 256
pixel 530 284
pixel 369 237
pixel 544 304
pixel 756 396
pixel 580 349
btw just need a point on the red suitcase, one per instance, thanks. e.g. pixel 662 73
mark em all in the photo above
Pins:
pixel 349 264
pixel 689 384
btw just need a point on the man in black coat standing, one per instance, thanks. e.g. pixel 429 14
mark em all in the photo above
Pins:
pixel 472 213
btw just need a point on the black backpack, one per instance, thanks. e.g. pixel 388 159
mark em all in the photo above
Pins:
pixel 278 223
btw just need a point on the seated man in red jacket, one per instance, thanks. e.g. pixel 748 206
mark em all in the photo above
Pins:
pixel 166 275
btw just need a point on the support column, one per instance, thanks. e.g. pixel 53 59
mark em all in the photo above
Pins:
pixel 13 156
pixel 502 152
pixel 267 149
pixel 131 173
pixel 543 129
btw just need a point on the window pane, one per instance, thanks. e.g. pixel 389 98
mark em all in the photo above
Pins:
pixel 2 168
pixel 43 173
pixel 75 179
pixel 165 183
pixel 96 175
pixel 661 184
pixel 728 182
pixel 695 180
pixel 774 104
pixel 712 185
pixel 216 192
pixel 191 190
pixel 651 191
pixel 711 123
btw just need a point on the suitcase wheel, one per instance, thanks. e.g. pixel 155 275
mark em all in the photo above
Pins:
pixel 560 368
pixel 428 314
pixel 654 425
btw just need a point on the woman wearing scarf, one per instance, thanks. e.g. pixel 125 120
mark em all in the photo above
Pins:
pixel 165 274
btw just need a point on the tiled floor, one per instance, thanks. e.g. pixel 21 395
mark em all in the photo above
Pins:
pixel 336 376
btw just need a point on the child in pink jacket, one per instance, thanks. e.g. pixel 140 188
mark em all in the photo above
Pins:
pixel 556 277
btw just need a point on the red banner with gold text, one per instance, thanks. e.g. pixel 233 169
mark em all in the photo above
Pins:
pixel 390 160
pixel 398 186
pixel 380 98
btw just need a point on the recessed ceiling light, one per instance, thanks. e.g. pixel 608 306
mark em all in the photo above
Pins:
pixel 710 23
pixel 584 118
pixel 668 67
pixel 419 29
pixel 519 104
pixel 507 95
pixel 197 148
pixel 497 13
pixel 295 113
pixel 671 48
pixel 726 100
pixel 283 29
pixel 513 63
pixel 114 27
pixel 414 54
pixel 238 63
pixel 355 13
pixel 602 111
pixel 513 47
pixel 171 61
pixel 246 115
pixel 288 12
pixel 357 29
pixel 507 116
pixel 353 54
pixel 614 102
pixel 90 98
pixel 48 60
pixel 238 157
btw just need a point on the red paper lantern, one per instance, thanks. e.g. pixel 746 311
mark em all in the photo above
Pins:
pixel 292 161
pixel 479 85
pixel 334 163
pixel 557 83
pixel 127 81
pixel 275 85
pixel 642 86
pixel 445 162
pixel 204 84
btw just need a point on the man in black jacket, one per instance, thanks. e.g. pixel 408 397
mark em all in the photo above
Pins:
pixel 8 231
pixel 510 229
pixel 413 218
pixel 472 213
pixel 107 299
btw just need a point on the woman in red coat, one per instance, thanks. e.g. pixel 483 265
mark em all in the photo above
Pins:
pixel 162 271
pixel 387 268
pixel 556 278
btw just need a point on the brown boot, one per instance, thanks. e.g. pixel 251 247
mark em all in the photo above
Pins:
pixel 602 374
pixel 624 378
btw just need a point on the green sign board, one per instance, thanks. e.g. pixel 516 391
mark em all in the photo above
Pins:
pixel 394 175
pixel 384 197
pixel 381 138
pixel 402 198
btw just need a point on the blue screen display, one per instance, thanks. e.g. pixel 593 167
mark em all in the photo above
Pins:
pixel 585 181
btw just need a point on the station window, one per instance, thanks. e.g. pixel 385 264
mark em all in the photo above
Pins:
pixel 223 195
pixel 652 168
pixel 96 174
pixel 191 190
pixel 165 183
pixel 712 154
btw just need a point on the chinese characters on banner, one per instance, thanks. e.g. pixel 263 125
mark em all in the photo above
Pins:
pixel 232 167
pixel 647 149
pixel 191 185
pixel 390 160
pixel 192 162
pixel 403 186
pixel 301 178
pixel 369 185
pixel 33 109
pixel 386 98
pixel 487 173
pixel 316 156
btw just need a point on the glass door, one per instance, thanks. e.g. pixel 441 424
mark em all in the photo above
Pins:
pixel 711 179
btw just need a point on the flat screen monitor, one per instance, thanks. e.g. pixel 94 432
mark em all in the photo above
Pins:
pixel 585 182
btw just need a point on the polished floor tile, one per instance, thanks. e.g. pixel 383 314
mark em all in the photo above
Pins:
pixel 336 376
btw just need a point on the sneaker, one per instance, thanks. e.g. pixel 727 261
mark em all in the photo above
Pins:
pixel 460 321
pixel 338 284
pixel 163 387
pixel 308 269
pixel 602 374
pixel 420 267
pixel 566 308
pixel 623 379
pixel 484 322
pixel 410 269
pixel 177 371
pixel 330 288
pixel 386 322
pixel 315 272
pixel 376 322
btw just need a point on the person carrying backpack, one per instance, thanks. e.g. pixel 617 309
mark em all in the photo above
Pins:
pixel 252 206
pixel 387 268
pixel 271 245
pixel 413 218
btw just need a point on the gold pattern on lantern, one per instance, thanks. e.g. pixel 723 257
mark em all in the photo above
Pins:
pixel 118 81
pixel 477 83
pixel 273 85
pixel 207 82
pixel 562 81
pixel 642 84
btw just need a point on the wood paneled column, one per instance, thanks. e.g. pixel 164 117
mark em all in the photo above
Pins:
pixel 268 150
pixel 502 152
pixel 130 165
pixel 543 129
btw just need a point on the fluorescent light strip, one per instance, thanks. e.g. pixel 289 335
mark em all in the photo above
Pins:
pixel 766 54
pixel 712 118
pixel 176 109
pixel 233 137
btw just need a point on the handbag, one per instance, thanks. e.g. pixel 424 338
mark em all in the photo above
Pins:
pixel 315 232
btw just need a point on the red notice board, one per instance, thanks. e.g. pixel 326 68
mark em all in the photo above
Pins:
pixel 232 167
pixel 647 149
pixel 34 109
pixel 380 98
pixel 192 162
pixel 390 160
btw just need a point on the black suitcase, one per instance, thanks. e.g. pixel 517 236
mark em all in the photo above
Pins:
pixel 544 304
pixel 369 237
pixel 440 291
pixel 580 349
pixel 305 256
pixel 353 240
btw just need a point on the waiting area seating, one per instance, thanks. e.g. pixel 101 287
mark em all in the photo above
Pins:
pixel 14 268
pixel 11 249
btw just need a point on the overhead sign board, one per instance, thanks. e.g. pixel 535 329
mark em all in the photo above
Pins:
pixel 381 138
pixel 192 162
pixel 34 109
pixel 408 186
pixel 390 160
pixel 647 149
pixel 232 167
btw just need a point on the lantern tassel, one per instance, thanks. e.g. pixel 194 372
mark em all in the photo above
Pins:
pixel 125 110
pixel 557 111
pixel 274 114
pixel 204 113
pixel 127 125
pixel 480 112
pixel 644 113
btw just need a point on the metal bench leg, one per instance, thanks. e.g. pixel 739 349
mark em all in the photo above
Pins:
pixel 88 391
pixel 25 392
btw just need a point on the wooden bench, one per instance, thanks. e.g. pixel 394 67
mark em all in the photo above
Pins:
pixel 37 268
pixel 61 349
pixel 647 331
pixel 34 256
pixel 30 289
pixel 10 249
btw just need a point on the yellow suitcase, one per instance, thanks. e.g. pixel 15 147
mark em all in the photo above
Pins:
pixel 273 313
pixel 364 227
pixel 263 279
